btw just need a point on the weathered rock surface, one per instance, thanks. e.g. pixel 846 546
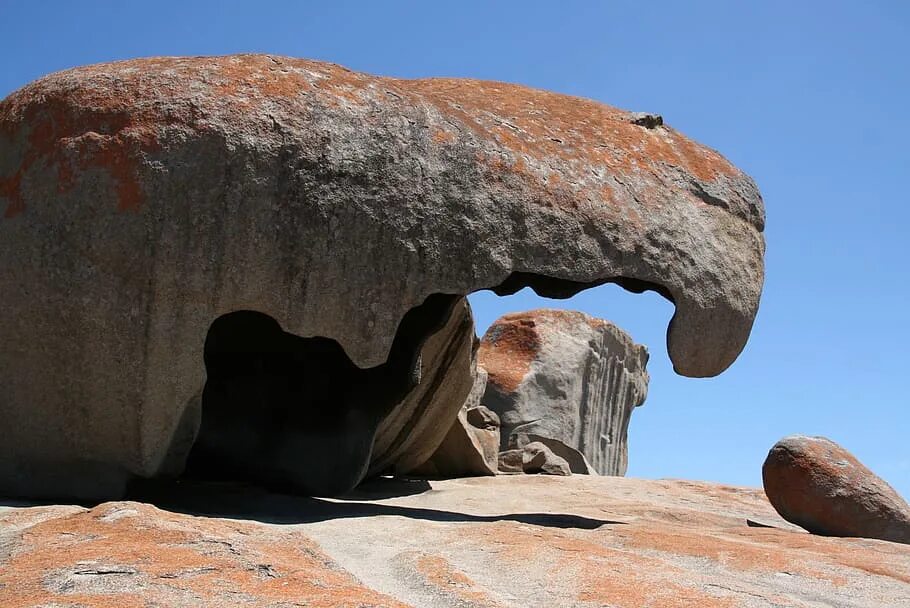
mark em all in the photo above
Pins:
pixel 507 541
pixel 817 484
pixel 145 199
pixel 567 376
pixel 315 429
pixel 471 445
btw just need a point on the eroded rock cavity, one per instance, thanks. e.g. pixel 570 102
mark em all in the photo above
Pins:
pixel 296 414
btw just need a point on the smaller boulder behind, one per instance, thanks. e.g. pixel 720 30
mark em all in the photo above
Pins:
pixel 568 377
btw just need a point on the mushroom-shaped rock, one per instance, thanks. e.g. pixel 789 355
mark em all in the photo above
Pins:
pixel 567 376
pixel 817 484
pixel 144 199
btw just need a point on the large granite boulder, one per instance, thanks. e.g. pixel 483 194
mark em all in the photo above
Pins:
pixel 145 199
pixel 566 376
pixel 817 484
pixel 511 541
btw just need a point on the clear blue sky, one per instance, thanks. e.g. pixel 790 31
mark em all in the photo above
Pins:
pixel 810 98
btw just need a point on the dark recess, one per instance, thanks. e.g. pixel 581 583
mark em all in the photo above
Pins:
pixel 295 414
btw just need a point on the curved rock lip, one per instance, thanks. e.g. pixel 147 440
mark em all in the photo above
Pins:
pixel 350 198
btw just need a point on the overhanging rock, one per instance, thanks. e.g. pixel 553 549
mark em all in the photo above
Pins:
pixel 142 200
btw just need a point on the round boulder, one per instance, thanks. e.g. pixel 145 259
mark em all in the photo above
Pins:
pixel 817 484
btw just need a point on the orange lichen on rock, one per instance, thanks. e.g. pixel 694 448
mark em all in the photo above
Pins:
pixel 59 140
pixel 599 574
pixel 505 541
pixel 541 123
pixel 508 349
pixel 444 578
pixel 817 484
pixel 111 116
pixel 128 555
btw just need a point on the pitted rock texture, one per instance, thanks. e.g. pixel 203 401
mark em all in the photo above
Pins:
pixel 142 200
pixel 567 376
pixel 817 484
pixel 502 542
pixel 131 555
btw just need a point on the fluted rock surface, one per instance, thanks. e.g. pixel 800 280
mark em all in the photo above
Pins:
pixel 416 427
pixel 567 376
pixel 143 200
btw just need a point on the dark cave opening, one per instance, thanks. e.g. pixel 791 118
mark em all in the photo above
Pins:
pixel 293 413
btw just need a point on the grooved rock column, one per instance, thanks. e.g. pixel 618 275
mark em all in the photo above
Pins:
pixel 565 376
pixel 142 200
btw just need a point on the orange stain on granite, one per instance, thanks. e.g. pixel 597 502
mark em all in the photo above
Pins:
pixel 541 124
pixel 507 350
pixel 600 574
pixel 111 116
pixel 172 556
pixel 441 574
pixel 59 138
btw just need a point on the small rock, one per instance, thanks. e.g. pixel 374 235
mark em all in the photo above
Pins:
pixel 817 484
pixel 578 464
pixel 538 458
pixel 483 417
pixel 511 461
pixel 646 120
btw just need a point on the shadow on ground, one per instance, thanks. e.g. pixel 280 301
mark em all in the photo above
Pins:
pixel 237 501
